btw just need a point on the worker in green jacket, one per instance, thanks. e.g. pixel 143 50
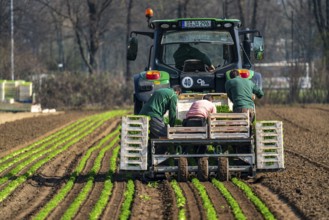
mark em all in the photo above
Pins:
pixel 241 92
pixel 161 101
pixel 185 52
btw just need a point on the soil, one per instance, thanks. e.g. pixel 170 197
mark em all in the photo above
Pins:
pixel 300 191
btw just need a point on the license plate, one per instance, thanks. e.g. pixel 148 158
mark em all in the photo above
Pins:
pixel 196 24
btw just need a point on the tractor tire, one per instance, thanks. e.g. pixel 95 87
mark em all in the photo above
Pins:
pixel 223 173
pixel 203 169
pixel 182 170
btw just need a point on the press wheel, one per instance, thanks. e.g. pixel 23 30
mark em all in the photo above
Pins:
pixel 203 169
pixel 182 169
pixel 223 173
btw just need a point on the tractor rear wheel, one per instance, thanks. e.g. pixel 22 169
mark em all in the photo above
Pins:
pixel 182 169
pixel 203 171
pixel 223 173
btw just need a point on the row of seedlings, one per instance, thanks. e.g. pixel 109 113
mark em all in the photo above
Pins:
pixel 53 203
pixel 107 191
pixel 41 158
pixel 180 200
pixel 262 208
pixel 208 206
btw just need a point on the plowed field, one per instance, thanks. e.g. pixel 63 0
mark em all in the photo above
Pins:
pixel 61 166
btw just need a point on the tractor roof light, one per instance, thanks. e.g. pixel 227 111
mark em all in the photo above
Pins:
pixel 153 74
pixel 149 13
pixel 244 73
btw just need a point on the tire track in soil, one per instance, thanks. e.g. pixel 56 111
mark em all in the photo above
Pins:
pixel 247 207
pixel 149 202
pixel 317 164
pixel 194 207
pixel 290 121
pixel 221 206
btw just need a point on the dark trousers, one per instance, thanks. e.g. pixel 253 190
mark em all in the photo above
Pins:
pixel 194 122
pixel 157 128
pixel 245 110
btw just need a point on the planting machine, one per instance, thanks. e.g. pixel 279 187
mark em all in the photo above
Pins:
pixel 229 144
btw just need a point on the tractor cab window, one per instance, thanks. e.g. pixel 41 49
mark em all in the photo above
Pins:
pixel 211 46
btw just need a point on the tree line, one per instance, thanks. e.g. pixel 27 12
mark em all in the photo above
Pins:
pixel 90 36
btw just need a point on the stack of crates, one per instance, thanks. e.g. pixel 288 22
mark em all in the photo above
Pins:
pixel 269 145
pixel 17 90
pixel 25 92
pixel 134 141
pixel 229 125
pixel 11 89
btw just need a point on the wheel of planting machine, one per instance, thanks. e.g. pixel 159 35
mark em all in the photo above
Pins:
pixel 203 169
pixel 223 173
pixel 182 169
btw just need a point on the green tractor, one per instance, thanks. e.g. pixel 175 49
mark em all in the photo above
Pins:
pixel 221 40
pixel 230 143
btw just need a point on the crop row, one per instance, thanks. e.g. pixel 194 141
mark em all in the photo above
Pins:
pixel 208 205
pixel 180 199
pixel 73 208
pixel 238 214
pixel 254 199
pixel 57 145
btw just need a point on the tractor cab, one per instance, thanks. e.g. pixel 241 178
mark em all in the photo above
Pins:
pixel 195 53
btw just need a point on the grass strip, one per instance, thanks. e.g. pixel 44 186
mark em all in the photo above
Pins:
pixel 180 199
pixel 238 214
pixel 254 199
pixel 207 204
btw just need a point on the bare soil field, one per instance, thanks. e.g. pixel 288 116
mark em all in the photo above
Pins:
pixel 301 191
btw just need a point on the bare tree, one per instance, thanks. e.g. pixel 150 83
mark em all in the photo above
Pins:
pixel 89 29
pixel 321 14
pixel 182 8
pixel 254 15
pixel 241 11
pixel 129 5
